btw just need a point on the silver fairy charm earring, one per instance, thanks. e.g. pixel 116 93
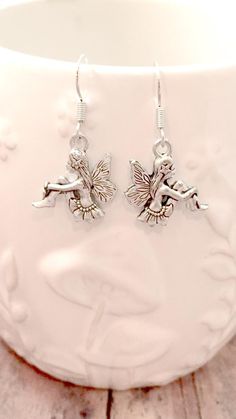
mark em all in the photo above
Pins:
pixel 82 188
pixel 158 193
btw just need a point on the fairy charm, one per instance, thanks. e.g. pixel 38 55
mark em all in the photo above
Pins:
pixel 83 189
pixel 158 193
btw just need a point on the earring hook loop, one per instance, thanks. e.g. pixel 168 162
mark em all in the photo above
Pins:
pixel 160 111
pixel 82 60
pixel 81 105
pixel 158 83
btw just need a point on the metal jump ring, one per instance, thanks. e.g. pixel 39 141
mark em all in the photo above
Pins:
pixel 162 148
pixel 79 141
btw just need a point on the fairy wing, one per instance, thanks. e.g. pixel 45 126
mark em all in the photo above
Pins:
pixel 103 188
pixel 138 193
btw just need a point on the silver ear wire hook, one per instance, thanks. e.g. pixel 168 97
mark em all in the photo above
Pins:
pixel 160 111
pixel 158 84
pixel 81 104
pixel 82 59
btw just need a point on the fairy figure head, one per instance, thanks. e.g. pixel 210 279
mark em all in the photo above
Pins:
pixel 78 163
pixel 163 167
pixel 77 159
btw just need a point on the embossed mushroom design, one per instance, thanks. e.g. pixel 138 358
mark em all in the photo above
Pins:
pixel 85 275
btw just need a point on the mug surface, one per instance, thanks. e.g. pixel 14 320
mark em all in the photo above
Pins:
pixel 115 303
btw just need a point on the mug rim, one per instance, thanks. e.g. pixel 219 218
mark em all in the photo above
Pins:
pixel 49 62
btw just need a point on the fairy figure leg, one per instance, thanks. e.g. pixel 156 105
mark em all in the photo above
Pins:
pixel 50 196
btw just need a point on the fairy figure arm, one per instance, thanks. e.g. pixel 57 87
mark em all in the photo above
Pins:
pixel 139 192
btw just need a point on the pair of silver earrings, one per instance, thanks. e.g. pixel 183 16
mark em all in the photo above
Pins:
pixel 155 194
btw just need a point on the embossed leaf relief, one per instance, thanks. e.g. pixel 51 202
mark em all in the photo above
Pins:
pixel 209 172
pixel 210 167
pixel 8 273
pixel 218 319
pixel 128 343
pixel 8 139
pixel 11 309
pixel 220 265
pixel 221 213
pixel 20 342
pixel 211 159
